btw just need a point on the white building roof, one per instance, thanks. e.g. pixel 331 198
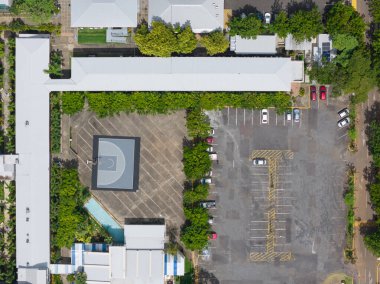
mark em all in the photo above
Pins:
pixel 32 146
pixel 262 74
pixel 145 266
pixel 262 44
pixel 104 13
pixel 292 44
pixel 203 15
pixel 144 236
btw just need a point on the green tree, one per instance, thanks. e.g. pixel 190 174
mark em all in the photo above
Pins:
pixel 40 11
pixel 186 41
pixel 345 41
pixel 374 8
pixel 215 42
pixel 70 277
pixel 305 25
pixel 72 102
pixel 344 19
pixel 55 65
pixel 80 278
pixel 160 40
pixel 197 215
pixel 197 123
pixel 246 27
pixel 196 161
pixel 372 242
pixel 195 237
pixel 194 195
pixel 281 25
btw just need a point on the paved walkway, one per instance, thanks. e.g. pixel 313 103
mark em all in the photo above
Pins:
pixel 366 263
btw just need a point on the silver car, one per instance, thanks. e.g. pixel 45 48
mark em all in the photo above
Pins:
pixel 344 112
pixel 296 115
pixel 344 122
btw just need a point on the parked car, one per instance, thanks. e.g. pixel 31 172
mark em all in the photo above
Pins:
pixel 213 156
pixel 288 115
pixel 344 122
pixel 208 204
pixel 259 162
pixel 208 174
pixel 264 116
pixel 322 93
pixel 313 93
pixel 213 236
pixel 296 115
pixel 211 220
pixel 206 180
pixel 267 17
pixel 206 253
pixel 210 149
pixel 344 112
pixel 210 140
pixel 212 131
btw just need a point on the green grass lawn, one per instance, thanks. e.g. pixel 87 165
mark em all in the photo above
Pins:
pixel 91 36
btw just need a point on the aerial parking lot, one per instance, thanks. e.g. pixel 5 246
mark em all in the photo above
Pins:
pixel 284 221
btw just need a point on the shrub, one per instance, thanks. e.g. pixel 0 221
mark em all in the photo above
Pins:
pixel 196 161
pixel 194 195
pixel 215 42
pixel 72 102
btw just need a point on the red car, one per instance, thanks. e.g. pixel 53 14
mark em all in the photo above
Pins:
pixel 322 93
pixel 210 140
pixel 313 93
pixel 213 236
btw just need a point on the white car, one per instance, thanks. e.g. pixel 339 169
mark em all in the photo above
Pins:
pixel 267 17
pixel 213 156
pixel 344 122
pixel 264 116
pixel 343 113
pixel 210 149
pixel 259 162
pixel 206 180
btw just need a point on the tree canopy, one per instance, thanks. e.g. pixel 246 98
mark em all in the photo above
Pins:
pixel 40 11
pixel 372 241
pixel 246 27
pixel 374 8
pixel 186 41
pixel 160 40
pixel 305 25
pixel 344 19
pixel 281 25
pixel 196 161
pixel 215 42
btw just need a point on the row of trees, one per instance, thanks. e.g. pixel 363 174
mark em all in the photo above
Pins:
pixel 55 124
pixel 197 164
pixel 8 239
pixel 375 12
pixel 111 103
pixel 163 40
pixel 69 221
pixel 18 25
pixel 372 235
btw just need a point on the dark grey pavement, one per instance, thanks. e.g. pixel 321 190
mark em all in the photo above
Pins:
pixel 310 207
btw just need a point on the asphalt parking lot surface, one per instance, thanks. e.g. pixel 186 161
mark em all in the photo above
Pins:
pixel 310 211
pixel 161 177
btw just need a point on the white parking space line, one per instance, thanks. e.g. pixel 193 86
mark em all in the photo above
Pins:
pixel 344 135
pixel 228 115
pixel 252 118
pixel 260 118
pixel 276 118
pixel 284 118
pixel 300 119
pixel 236 115
pixel 244 116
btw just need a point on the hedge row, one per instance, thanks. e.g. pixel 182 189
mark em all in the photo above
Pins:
pixel 18 25
pixel 111 103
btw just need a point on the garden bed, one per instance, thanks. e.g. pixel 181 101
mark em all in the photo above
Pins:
pixel 92 36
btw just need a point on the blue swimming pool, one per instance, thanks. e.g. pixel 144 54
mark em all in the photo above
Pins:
pixel 106 220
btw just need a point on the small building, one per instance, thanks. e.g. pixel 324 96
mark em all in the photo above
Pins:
pixel 140 260
pixel 262 44
pixel 115 164
pixel 323 50
pixel 292 44
pixel 104 13
pixel 204 16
